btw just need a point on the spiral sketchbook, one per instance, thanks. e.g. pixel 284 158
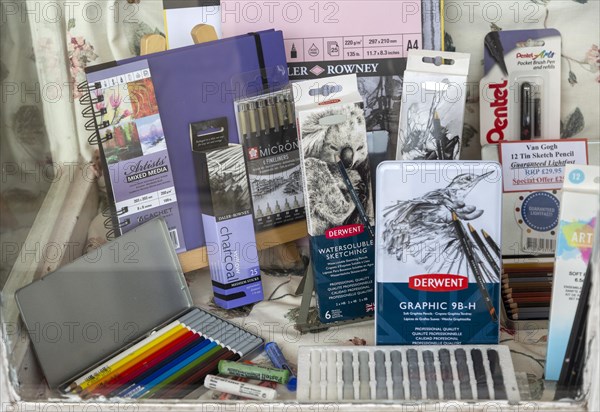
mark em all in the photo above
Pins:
pixel 140 111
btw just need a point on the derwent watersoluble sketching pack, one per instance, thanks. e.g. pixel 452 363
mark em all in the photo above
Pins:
pixel 337 188
pixel 437 261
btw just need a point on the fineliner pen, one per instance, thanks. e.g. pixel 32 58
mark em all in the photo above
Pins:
pixel 242 107
pixel 252 123
pixel 289 106
pixel 271 114
pixel 359 207
pixel 262 117
pixel 280 105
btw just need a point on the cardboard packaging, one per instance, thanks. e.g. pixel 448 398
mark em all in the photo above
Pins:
pixel 267 129
pixel 520 100
pixel 226 215
pixel 338 196
pixel 520 90
pixel 433 105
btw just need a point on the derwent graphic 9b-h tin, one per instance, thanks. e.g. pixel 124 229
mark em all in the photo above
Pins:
pixel 437 263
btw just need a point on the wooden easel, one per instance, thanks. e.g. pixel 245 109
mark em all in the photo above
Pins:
pixel 154 43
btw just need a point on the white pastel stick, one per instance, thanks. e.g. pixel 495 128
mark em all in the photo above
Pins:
pixel 242 389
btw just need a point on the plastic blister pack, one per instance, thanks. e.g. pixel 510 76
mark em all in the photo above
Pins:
pixel 468 372
pixel 520 92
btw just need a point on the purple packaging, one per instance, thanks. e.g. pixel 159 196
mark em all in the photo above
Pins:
pixel 226 216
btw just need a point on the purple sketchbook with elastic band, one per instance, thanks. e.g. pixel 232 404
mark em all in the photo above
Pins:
pixel 196 84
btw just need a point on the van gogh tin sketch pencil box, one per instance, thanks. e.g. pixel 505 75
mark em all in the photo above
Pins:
pixel 437 263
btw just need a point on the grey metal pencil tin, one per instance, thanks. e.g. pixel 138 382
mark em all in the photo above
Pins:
pixel 104 302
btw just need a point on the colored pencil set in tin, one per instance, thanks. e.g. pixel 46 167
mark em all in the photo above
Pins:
pixel 171 362
pixel 142 339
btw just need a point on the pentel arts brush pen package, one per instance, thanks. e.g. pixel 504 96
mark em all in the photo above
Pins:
pixel 226 215
pixel 434 93
pixel 123 323
pixel 438 262
pixel 337 189
pixel 267 129
pixel 520 90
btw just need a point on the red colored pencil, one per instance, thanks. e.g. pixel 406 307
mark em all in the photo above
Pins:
pixel 128 377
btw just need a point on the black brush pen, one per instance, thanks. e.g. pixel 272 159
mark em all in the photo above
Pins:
pixel 462 237
pixel 484 249
pixel 528 111
pixel 361 210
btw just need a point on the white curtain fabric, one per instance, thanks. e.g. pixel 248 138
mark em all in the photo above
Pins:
pixel 67 37
pixel 25 152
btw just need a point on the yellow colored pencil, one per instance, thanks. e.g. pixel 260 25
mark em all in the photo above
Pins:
pixel 105 368
pixel 161 343
pixel 110 369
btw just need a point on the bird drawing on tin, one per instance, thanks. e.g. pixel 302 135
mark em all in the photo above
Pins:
pixel 423 227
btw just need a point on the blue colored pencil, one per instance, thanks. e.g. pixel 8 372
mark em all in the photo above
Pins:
pixel 201 347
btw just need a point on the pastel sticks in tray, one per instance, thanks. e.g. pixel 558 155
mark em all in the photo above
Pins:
pixel 468 372
pixel 172 361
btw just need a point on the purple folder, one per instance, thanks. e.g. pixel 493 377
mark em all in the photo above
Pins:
pixel 198 83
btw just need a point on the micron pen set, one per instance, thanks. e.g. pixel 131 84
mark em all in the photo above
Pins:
pixel 267 130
